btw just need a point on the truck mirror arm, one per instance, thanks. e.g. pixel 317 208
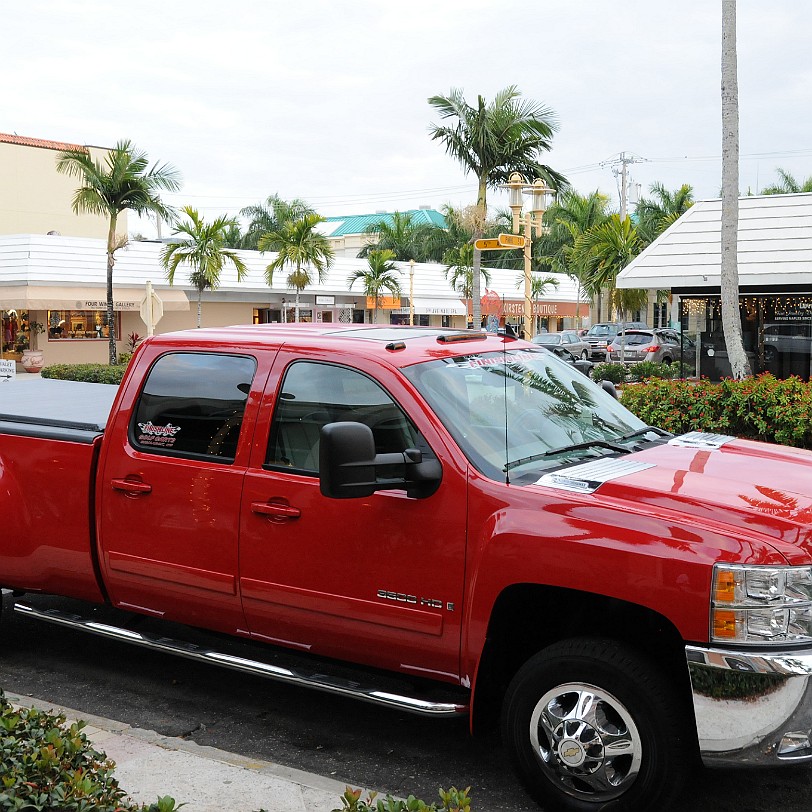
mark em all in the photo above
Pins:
pixel 349 466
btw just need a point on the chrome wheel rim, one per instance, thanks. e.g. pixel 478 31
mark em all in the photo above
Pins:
pixel 586 741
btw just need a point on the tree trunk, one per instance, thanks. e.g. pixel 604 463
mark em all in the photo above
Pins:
pixel 199 305
pixel 476 287
pixel 729 274
pixel 296 308
pixel 112 356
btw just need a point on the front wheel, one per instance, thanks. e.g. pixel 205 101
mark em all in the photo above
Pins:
pixel 584 356
pixel 592 726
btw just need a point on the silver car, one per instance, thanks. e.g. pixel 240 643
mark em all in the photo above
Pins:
pixel 568 339
pixel 644 345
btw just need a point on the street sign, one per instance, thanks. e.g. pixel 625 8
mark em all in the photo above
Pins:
pixel 511 241
pixel 487 245
pixel 8 370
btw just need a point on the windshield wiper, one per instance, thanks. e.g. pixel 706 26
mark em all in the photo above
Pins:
pixel 644 430
pixel 566 449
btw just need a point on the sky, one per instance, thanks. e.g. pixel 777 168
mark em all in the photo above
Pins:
pixel 327 100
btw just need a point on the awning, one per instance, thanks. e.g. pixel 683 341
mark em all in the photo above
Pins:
pixel 438 307
pixel 54 297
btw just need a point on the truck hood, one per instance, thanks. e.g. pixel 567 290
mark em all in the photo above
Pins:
pixel 754 489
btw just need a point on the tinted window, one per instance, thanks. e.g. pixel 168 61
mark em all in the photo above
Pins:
pixel 192 405
pixel 634 339
pixel 313 394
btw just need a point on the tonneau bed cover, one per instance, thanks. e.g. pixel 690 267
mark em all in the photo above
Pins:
pixel 61 410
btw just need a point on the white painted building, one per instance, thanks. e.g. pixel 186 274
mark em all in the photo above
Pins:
pixel 59 282
pixel 775 281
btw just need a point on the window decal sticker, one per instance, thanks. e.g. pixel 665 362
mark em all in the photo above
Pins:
pixel 157 436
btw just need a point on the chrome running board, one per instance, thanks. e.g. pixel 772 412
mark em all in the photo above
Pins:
pixel 320 682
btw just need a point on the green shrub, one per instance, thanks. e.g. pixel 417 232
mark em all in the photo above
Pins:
pixel 763 408
pixel 47 765
pixel 616 373
pixel 652 369
pixel 90 373
pixel 453 800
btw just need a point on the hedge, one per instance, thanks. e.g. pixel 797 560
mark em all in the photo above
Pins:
pixel 90 373
pixel 46 764
pixel 762 408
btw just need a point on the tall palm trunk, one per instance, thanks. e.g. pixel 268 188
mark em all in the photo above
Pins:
pixel 112 244
pixel 729 272
pixel 199 305
pixel 476 290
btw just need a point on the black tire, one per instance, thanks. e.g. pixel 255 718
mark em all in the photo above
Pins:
pixel 584 356
pixel 571 700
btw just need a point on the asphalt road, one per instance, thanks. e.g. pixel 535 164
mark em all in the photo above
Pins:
pixel 346 740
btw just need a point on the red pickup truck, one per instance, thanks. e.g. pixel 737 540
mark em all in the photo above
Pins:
pixel 459 523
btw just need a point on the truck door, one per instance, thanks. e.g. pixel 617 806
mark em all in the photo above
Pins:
pixel 170 488
pixel 378 580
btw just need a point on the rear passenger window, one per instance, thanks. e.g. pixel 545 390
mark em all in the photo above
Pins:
pixel 314 394
pixel 192 405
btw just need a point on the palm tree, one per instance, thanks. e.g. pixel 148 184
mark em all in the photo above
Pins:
pixel 458 230
pixel 538 286
pixel 401 235
pixel 492 140
pixel 603 252
pixel 270 216
pixel 379 275
pixel 300 247
pixel 654 215
pixel 729 238
pixel 204 250
pixel 787 185
pixel 459 272
pixel 567 219
pixel 124 182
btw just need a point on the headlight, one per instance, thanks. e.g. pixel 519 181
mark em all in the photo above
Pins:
pixel 766 605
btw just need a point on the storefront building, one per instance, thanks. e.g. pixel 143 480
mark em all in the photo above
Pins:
pixel 52 291
pixel 775 284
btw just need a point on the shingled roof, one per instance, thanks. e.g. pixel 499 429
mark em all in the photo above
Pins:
pixel 358 223
pixel 775 246
pixel 24 141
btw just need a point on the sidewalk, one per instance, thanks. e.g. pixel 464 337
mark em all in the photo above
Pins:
pixel 205 779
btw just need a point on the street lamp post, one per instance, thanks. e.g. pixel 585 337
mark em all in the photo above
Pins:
pixel 411 292
pixel 527 222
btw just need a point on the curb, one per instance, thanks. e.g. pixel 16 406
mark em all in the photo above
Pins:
pixel 96 725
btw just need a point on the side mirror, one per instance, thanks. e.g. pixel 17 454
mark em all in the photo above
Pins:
pixel 609 387
pixel 348 462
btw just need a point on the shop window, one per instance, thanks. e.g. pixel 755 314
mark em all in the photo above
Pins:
pixel 192 405
pixel 80 324
pixel 660 316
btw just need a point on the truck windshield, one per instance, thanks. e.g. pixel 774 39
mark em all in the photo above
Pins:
pixel 509 410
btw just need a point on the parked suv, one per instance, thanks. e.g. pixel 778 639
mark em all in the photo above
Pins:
pixel 634 346
pixel 568 339
pixel 600 336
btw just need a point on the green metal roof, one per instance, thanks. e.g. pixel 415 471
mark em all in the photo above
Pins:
pixel 358 223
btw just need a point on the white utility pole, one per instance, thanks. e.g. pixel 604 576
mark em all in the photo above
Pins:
pixel 620 167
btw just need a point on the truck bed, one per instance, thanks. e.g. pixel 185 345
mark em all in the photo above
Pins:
pixel 58 410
